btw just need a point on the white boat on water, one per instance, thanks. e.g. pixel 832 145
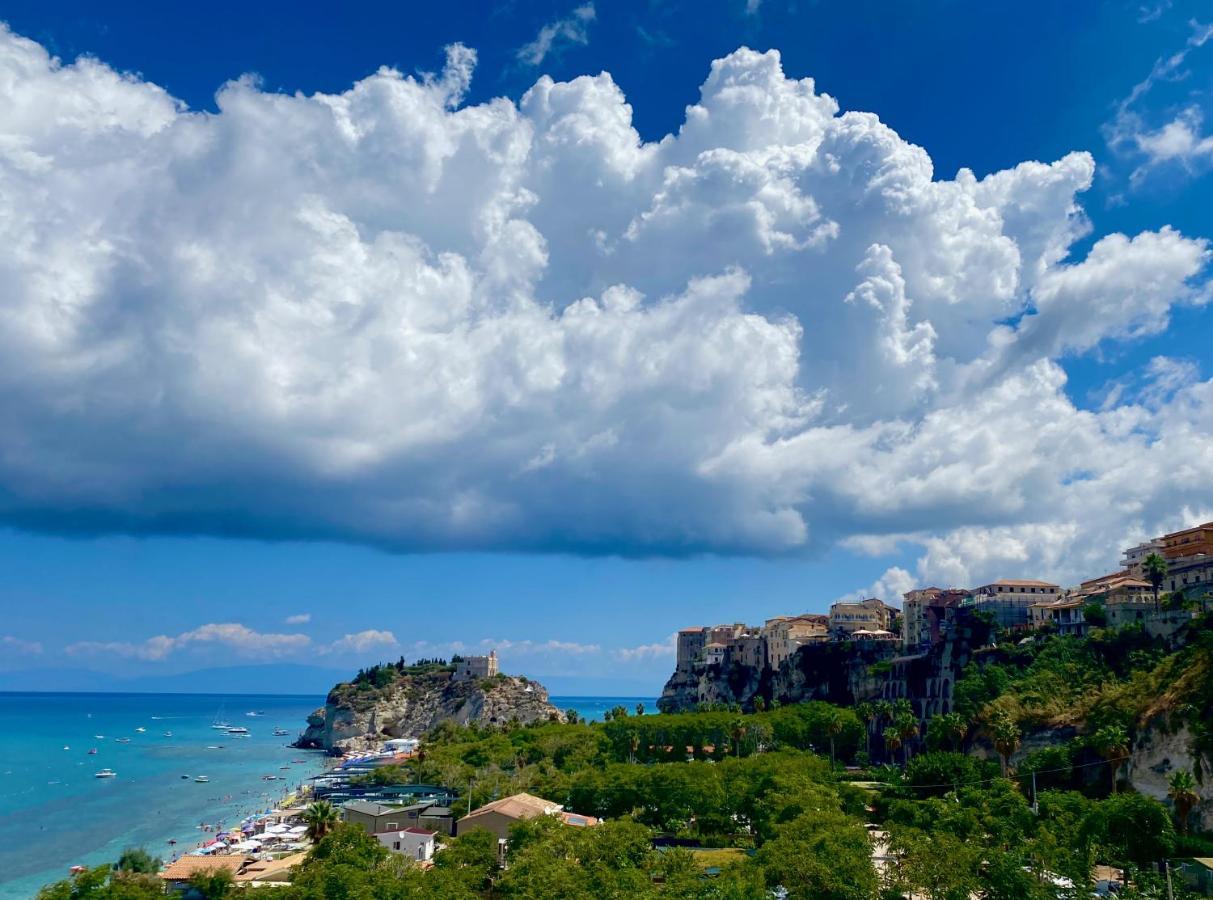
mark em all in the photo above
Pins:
pixel 202 779
pixel 237 729
pixel 280 732
pixel 123 740
pixel 106 773
pixel 141 729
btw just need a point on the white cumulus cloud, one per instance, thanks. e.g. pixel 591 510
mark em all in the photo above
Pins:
pixel 229 635
pixel 388 317
pixel 298 619
pixel 362 641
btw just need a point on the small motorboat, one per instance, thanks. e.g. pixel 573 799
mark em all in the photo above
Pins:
pixel 202 779
pixel 238 730
pixel 123 740
pixel 172 841
pixel 92 752
pixel 168 734
pixel 284 767
pixel 66 747
pixel 105 773
pixel 141 729
pixel 98 737
pixel 280 732
pixel 214 747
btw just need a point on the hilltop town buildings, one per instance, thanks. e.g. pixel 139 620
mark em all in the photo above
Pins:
pixel 927 614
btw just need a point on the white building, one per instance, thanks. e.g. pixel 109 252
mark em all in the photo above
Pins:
pixel 1134 556
pixel 415 843
pixel 470 668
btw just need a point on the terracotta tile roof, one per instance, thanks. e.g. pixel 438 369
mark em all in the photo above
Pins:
pixel 1024 582
pixel 517 806
pixel 260 870
pixel 188 866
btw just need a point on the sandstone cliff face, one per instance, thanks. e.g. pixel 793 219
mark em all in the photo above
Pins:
pixel 360 717
pixel 1157 753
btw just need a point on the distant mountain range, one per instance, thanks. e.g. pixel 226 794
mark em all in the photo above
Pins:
pixel 273 678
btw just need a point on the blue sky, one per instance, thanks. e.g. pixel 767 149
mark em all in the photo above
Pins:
pixel 738 440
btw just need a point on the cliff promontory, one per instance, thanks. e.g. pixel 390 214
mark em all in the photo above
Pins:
pixel 393 702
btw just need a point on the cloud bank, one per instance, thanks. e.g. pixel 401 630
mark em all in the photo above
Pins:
pixel 387 317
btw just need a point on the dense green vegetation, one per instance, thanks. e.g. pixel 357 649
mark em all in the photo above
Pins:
pixel 790 792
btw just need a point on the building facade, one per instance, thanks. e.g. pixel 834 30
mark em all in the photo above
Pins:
pixel 868 615
pixel 1009 600
pixel 1193 576
pixel 1066 615
pixel 691 642
pixel 473 668
pixel 1133 558
pixel 923 619
pixel 787 634
pixel 1189 542
pixel 415 843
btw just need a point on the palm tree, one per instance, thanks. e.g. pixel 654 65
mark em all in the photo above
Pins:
pixel 1112 743
pixel 907 729
pixel 321 817
pixel 635 745
pixel 892 742
pixel 1005 735
pixel 737 732
pixel 1181 788
pixel 953 728
pixel 1155 568
pixel 834 726
pixel 640 709
pixel 867 714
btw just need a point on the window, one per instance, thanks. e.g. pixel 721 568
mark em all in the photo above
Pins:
pixel 393 826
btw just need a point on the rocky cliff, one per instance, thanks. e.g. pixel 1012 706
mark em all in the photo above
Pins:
pixel 359 716
pixel 841 673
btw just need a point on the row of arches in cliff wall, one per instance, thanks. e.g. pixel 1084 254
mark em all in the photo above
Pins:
pixel 929 694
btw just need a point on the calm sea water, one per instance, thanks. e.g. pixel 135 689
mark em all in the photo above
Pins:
pixel 592 708
pixel 55 814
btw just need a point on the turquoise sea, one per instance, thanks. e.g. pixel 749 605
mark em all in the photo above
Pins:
pixel 55 814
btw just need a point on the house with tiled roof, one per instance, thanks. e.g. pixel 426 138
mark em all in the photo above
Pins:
pixel 498 816
pixel 177 874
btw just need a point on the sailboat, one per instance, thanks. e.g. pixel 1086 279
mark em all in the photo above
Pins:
pixel 219 724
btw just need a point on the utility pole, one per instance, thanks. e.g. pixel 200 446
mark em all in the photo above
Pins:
pixel 1170 892
pixel 1035 805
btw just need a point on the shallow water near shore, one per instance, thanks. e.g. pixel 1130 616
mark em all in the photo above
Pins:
pixel 55 814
